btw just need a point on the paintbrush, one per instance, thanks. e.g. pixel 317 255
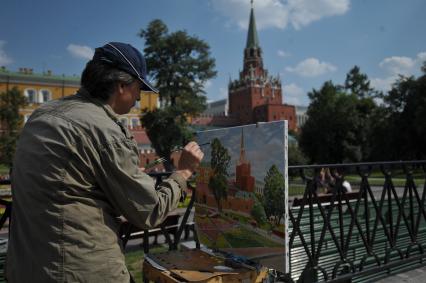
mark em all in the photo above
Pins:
pixel 162 159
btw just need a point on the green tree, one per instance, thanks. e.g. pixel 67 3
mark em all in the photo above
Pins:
pixel 166 128
pixel 295 155
pixel 340 121
pixel 329 135
pixel 180 65
pixel 400 133
pixel 11 122
pixel 258 212
pixel 219 163
pixel 358 83
pixel 273 195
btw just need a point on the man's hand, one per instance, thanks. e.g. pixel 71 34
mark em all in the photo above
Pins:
pixel 189 160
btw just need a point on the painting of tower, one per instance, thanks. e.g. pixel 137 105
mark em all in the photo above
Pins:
pixel 241 191
pixel 243 179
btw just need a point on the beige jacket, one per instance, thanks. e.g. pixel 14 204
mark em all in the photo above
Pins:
pixel 75 171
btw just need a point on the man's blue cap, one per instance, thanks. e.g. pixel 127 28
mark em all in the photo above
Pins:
pixel 125 57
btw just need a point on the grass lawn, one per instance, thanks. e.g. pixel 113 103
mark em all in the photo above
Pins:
pixel 4 170
pixel 380 180
pixel 242 238
pixel 296 189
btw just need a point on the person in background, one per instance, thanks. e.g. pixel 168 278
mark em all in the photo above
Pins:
pixel 328 180
pixel 76 171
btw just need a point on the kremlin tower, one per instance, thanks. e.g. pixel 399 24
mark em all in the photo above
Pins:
pixel 256 96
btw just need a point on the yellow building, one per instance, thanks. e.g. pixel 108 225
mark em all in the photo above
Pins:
pixel 39 88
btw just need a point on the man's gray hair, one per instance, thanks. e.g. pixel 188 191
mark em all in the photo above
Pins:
pixel 100 79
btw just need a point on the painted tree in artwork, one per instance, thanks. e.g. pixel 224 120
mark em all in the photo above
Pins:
pixel 219 163
pixel 273 195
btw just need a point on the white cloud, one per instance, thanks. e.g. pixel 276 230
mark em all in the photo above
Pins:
pixel 280 13
pixel 4 58
pixel 293 94
pixel 398 65
pixel 306 11
pixel 383 84
pixel 312 67
pixel 395 66
pixel 421 57
pixel 80 51
pixel 283 54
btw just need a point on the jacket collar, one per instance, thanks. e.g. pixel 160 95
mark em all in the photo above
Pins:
pixel 82 92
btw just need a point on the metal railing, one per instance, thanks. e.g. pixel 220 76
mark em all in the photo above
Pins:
pixel 377 229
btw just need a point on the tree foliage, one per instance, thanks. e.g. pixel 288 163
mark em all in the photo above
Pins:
pixel 339 121
pixel 11 122
pixel 295 155
pixel 399 131
pixel 273 195
pixel 346 123
pixel 166 129
pixel 358 83
pixel 328 135
pixel 220 160
pixel 180 65
pixel 258 212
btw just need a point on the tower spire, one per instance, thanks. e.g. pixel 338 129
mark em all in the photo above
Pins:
pixel 252 38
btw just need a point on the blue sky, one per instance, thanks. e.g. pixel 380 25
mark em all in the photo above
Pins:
pixel 305 42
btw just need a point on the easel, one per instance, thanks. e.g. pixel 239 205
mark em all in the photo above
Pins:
pixel 195 265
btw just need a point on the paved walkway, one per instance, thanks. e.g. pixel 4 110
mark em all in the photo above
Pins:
pixel 413 276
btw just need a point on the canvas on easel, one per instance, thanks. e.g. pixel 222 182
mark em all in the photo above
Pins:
pixel 241 193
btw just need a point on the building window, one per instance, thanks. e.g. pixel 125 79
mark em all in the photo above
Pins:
pixel 31 95
pixel 135 122
pixel 44 95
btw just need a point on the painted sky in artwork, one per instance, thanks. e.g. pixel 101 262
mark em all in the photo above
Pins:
pixel 264 146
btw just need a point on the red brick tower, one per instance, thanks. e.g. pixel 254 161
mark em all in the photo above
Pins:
pixel 256 96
